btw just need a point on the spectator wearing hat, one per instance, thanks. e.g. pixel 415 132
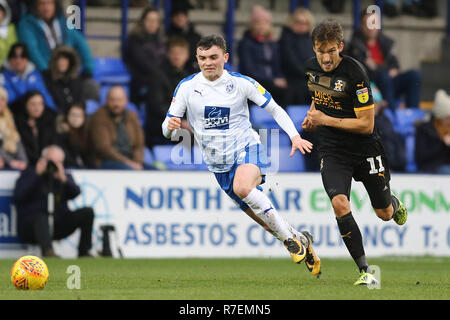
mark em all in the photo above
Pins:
pixel 8 34
pixel 433 138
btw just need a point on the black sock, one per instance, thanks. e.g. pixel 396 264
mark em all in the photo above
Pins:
pixel 395 203
pixel 353 240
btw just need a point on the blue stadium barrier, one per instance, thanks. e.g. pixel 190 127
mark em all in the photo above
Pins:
pixel 91 106
pixel 109 70
pixel 410 146
pixel 262 119
pixel 148 156
pixel 297 113
pixel 283 139
pixel 390 115
pixel 406 118
pixel 163 153
pixel 286 163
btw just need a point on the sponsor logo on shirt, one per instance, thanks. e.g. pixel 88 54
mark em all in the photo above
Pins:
pixel 217 118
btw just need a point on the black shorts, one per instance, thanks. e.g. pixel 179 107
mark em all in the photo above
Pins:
pixel 338 169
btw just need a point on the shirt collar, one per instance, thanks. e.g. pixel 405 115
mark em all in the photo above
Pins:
pixel 225 76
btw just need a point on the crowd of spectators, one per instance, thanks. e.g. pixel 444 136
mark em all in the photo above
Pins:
pixel 47 71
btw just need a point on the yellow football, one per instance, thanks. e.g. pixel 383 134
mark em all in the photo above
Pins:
pixel 29 273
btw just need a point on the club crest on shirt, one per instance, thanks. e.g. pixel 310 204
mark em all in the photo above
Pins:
pixel 339 85
pixel 362 95
pixel 229 87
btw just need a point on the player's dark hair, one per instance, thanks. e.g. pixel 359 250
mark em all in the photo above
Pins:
pixel 328 31
pixel 207 42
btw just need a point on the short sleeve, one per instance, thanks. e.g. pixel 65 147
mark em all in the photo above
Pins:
pixel 255 91
pixel 360 89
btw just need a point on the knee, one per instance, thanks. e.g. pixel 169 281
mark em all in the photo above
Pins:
pixel 341 205
pixel 241 191
pixel 384 214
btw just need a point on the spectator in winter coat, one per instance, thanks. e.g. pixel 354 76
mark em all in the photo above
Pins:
pixel 432 148
pixel 374 49
pixel 46 28
pixel 176 67
pixel 182 27
pixel 36 125
pixel 259 56
pixel 12 152
pixel 64 81
pixel 295 48
pixel 8 34
pixel 115 134
pixel 145 50
pixel 19 76
pixel 31 198
pixel 72 129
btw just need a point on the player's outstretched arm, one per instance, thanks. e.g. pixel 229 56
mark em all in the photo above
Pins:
pixel 300 144
pixel 285 122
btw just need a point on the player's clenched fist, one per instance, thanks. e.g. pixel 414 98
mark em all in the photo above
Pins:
pixel 306 124
pixel 316 117
pixel 174 123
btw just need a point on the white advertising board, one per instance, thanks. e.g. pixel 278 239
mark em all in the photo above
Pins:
pixel 186 214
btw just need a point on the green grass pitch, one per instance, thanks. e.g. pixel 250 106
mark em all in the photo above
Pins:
pixel 235 279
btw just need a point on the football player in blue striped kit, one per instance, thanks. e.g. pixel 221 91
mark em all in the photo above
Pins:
pixel 215 102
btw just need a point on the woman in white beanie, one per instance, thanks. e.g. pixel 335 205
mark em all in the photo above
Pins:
pixel 433 138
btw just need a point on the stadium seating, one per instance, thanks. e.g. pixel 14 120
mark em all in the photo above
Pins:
pixel 410 147
pixel 297 113
pixel 284 163
pixel 260 118
pixel 91 106
pixel 148 156
pixel 110 71
pixel 164 154
pixel 406 118
pixel 390 115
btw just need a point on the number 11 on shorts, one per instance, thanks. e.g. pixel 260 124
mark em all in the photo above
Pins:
pixel 373 169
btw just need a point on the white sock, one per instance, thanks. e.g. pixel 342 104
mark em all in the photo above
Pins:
pixel 264 209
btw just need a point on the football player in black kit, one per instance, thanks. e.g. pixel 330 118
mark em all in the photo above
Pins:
pixel 342 112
